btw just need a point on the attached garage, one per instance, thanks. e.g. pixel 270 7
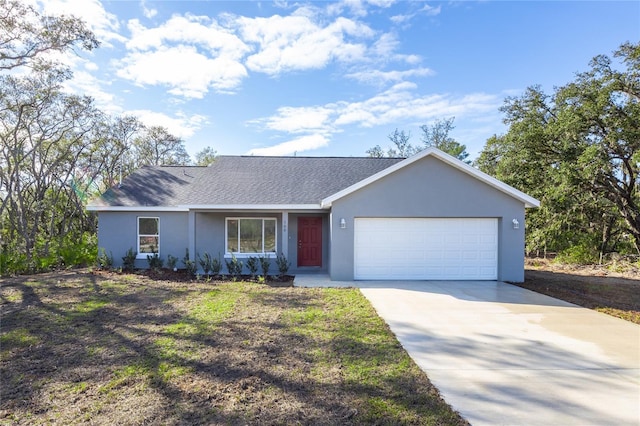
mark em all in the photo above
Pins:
pixel 429 217
pixel 426 248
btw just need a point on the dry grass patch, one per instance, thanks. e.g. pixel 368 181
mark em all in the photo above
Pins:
pixel 79 348
pixel 594 287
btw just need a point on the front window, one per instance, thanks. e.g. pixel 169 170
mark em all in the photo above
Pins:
pixel 148 236
pixel 251 235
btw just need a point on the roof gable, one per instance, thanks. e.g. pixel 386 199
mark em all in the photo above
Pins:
pixel 452 161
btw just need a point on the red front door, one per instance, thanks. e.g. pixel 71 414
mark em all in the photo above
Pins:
pixel 309 241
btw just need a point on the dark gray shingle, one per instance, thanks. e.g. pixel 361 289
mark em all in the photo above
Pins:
pixel 240 180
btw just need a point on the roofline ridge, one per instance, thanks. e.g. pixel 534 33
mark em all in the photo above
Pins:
pixel 312 157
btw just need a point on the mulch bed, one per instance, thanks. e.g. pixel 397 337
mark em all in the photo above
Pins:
pixel 181 275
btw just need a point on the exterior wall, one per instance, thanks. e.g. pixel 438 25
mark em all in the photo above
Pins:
pixel 429 188
pixel 210 235
pixel 292 254
pixel 118 232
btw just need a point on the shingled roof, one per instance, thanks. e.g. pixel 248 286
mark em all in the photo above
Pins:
pixel 242 180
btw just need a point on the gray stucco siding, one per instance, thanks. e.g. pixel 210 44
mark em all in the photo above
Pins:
pixel 429 188
pixel 210 235
pixel 118 232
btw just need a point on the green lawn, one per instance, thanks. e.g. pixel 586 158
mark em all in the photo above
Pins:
pixel 125 349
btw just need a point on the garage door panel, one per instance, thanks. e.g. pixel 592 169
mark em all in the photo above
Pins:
pixel 420 248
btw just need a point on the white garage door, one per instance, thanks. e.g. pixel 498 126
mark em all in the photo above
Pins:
pixel 426 249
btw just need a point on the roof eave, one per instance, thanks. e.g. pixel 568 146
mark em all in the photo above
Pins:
pixel 136 208
pixel 219 207
pixel 253 207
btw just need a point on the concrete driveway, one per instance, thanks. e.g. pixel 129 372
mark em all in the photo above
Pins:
pixel 502 355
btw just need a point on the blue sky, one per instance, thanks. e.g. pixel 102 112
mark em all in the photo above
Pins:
pixel 332 78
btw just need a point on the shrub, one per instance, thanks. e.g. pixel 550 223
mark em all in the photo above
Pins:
pixel 129 260
pixel 265 264
pixel 216 265
pixel 283 264
pixel 205 262
pixel 580 254
pixel 252 266
pixel 171 261
pixel 155 261
pixel 189 265
pixel 74 251
pixel 104 260
pixel 234 266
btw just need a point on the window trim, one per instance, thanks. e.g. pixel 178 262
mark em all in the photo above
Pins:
pixel 228 254
pixel 140 255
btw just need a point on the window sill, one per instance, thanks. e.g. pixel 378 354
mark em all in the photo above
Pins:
pixel 143 256
pixel 247 255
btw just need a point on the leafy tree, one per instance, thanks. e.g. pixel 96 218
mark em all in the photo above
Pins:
pixel 437 136
pixel 43 135
pixel 577 151
pixel 26 36
pixel 206 156
pixel 58 150
pixel 598 122
pixel 157 147
pixel 401 146
pixel 375 152
pixel 111 156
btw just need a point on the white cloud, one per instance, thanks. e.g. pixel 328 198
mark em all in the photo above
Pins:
pixel 425 10
pixel 385 45
pixel 105 25
pixel 180 125
pixel 90 66
pixel 301 144
pixel 357 8
pixel 382 3
pixel 146 11
pixel 85 84
pixel 382 77
pixel 430 10
pixel 298 120
pixel 188 54
pixel 184 70
pixel 401 19
pixel 193 30
pixel 398 105
pixel 384 50
pixel 193 54
pixel 297 42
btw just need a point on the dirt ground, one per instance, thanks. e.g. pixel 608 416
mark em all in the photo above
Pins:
pixel 84 348
pixel 612 289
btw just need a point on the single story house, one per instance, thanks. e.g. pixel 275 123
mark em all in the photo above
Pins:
pixel 427 217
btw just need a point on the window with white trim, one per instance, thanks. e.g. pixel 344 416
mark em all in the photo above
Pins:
pixel 250 235
pixel 148 236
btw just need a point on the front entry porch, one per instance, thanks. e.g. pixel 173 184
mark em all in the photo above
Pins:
pixel 303 237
